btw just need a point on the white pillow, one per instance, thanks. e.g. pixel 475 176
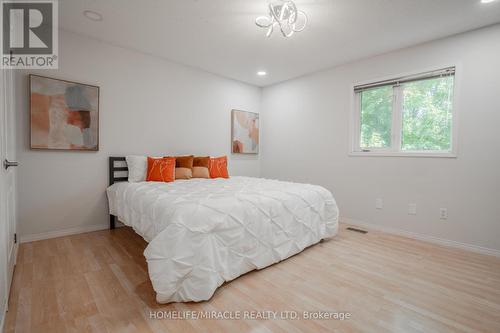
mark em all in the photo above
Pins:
pixel 137 168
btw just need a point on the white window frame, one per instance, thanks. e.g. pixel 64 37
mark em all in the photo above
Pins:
pixel 395 149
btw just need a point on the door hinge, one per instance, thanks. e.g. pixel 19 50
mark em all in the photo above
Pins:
pixel 15 238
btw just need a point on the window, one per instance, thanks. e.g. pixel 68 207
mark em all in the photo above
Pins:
pixel 412 115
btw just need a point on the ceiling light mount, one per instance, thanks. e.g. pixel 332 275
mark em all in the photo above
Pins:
pixel 285 15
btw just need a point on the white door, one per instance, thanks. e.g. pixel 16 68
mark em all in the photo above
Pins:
pixel 8 245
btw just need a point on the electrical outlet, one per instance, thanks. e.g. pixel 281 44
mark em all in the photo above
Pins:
pixel 443 213
pixel 379 203
pixel 412 209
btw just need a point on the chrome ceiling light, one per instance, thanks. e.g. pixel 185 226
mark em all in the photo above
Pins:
pixel 283 14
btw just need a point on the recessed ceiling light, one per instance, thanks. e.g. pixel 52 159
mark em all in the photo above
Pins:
pixel 91 15
pixel 487 1
pixel 261 73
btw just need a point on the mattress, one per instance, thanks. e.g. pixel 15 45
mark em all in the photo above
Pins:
pixel 204 232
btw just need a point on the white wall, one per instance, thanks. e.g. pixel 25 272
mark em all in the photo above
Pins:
pixel 305 126
pixel 147 106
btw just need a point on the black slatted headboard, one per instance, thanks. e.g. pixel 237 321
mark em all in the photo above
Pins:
pixel 113 179
pixel 113 168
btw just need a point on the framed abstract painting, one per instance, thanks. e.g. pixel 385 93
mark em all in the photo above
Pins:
pixel 64 115
pixel 245 132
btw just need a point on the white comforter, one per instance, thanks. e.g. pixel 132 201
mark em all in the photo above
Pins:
pixel 203 232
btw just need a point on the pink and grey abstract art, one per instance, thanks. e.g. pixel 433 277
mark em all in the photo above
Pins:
pixel 245 132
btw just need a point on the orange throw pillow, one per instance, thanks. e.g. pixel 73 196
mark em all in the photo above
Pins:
pixel 218 167
pixel 161 169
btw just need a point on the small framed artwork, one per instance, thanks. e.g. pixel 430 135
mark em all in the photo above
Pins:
pixel 64 115
pixel 244 132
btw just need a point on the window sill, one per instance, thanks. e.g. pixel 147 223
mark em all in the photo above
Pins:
pixel 402 154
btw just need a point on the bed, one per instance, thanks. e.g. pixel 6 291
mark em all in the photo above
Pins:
pixel 204 232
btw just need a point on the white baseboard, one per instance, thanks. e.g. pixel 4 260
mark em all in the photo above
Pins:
pixel 63 232
pixel 426 238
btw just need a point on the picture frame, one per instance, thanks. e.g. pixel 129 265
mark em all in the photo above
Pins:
pixel 64 115
pixel 244 132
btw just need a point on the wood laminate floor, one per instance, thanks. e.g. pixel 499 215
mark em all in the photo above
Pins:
pixel 98 282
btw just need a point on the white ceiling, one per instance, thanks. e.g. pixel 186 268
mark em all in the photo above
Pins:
pixel 220 36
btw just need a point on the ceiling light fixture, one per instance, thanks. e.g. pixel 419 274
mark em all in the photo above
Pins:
pixel 487 1
pixel 283 14
pixel 91 15
pixel 261 73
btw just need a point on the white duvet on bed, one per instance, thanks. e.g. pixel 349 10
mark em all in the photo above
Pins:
pixel 203 232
